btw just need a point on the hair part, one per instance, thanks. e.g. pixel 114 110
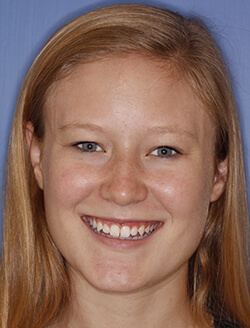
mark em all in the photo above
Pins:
pixel 32 266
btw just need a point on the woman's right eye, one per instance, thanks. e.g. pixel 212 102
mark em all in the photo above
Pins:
pixel 88 146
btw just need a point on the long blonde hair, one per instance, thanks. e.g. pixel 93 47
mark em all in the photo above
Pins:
pixel 34 284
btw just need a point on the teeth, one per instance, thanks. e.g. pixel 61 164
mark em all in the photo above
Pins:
pixel 99 226
pixel 114 230
pixel 141 230
pixel 134 231
pixel 105 228
pixel 124 232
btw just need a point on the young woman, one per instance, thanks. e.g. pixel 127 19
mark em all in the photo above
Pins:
pixel 132 212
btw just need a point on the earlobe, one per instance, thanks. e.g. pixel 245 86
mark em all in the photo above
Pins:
pixel 35 153
pixel 220 180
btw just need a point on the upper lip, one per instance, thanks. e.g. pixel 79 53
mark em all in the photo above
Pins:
pixel 121 220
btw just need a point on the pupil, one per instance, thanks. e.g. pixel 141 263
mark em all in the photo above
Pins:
pixel 89 146
pixel 164 151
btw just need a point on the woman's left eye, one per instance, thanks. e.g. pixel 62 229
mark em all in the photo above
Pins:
pixel 88 146
pixel 164 151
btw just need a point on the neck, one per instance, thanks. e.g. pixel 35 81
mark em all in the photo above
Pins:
pixel 162 305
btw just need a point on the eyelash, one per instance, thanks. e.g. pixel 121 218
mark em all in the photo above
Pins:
pixel 167 149
pixel 91 147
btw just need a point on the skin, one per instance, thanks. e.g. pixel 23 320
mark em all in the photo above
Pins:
pixel 129 107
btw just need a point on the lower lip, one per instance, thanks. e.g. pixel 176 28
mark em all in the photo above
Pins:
pixel 120 243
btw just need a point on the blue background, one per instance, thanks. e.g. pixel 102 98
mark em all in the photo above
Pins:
pixel 25 25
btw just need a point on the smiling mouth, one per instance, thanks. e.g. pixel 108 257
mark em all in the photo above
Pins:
pixel 123 231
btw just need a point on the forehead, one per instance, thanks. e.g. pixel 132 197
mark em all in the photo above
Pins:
pixel 128 88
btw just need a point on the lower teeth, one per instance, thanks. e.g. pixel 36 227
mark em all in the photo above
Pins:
pixel 126 238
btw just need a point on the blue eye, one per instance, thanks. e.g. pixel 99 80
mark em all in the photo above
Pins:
pixel 88 146
pixel 164 151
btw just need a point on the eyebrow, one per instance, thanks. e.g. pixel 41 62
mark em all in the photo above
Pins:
pixel 157 130
pixel 160 130
pixel 76 125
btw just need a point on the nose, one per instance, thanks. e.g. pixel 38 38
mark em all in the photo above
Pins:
pixel 124 184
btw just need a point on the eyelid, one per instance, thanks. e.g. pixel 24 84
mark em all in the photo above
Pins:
pixel 175 152
pixel 79 144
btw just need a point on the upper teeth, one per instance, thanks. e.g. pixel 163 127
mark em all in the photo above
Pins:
pixel 125 232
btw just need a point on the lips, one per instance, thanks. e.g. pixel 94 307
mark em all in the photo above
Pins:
pixel 121 230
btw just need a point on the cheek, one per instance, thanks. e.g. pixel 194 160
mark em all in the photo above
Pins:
pixel 67 184
pixel 185 193
pixel 185 198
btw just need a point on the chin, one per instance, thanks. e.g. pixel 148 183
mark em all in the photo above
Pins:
pixel 117 280
pixel 117 285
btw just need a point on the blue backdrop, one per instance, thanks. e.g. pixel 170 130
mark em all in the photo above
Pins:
pixel 25 25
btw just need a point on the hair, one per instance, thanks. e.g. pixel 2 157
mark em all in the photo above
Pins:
pixel 34 283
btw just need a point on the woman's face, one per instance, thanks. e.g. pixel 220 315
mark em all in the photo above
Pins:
pixel 127 170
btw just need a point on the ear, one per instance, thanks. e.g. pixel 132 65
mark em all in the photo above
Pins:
pixel 35 153
pixel 220 180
